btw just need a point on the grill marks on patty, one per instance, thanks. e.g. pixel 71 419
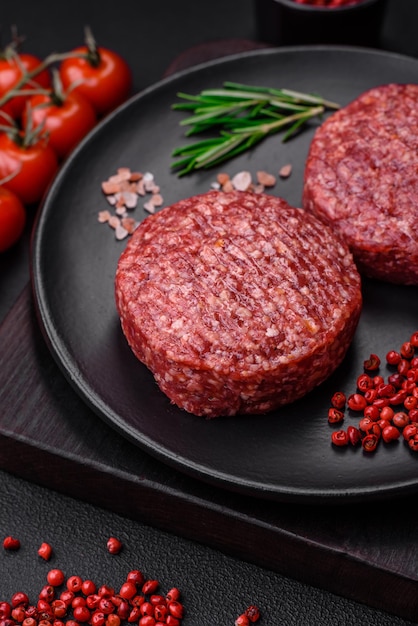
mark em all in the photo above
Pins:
pixel 226 296
pixel 361 176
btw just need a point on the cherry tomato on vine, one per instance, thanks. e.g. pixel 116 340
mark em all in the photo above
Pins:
pixel 99 74
pixel 12 219
pixel 66 119
pixel 26 170
pixel 13 66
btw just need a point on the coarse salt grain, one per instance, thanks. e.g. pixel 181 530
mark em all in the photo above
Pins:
pixel 122 191
pixel 149 206
pixel 266 179
pixel 242 180
pixel 222 178
pixel 103 216
pixel 285 171
pixel 113 221
pixel 129 224
pixel 157 199
pixel 120 232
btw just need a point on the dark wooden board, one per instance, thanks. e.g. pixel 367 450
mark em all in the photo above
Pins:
pixel 363 552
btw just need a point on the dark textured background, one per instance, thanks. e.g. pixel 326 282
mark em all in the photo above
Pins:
pixel 216 587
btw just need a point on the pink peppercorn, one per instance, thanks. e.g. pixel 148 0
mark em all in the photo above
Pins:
pixel 114 546
pixel 11 543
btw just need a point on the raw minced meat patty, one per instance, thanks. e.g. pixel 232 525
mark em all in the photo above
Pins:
pixel 237 302
pixel 362 177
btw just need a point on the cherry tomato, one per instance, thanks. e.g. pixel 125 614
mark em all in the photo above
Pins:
pixel 66 120
pixel 12 219
pixel 101 75
pixel 27 171
pixel 12 67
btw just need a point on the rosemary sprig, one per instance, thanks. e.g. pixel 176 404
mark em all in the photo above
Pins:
pixel 242 115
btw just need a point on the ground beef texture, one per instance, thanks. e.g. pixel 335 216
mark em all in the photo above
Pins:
pixel 237 302
pixel 361 177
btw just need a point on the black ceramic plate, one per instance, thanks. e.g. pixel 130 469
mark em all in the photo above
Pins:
pixel 285 455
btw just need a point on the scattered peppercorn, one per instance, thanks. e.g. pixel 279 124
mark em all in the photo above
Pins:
pixel 253 613
pixel 393 357
pixel 339 438
pixel 387 408
pixel 74 583
pixel 338 400
pixel 11 543
pixel 55 577
pixel 364 382
pixel 45 551
pixel 369 442
pixel 249 616
pixel 372 363
pixel 354 435
pixel 335 415
pixel 83 602
pixel 114 546
pixel 414 339
pixel 390 433
pixel 330 4
pixel 19 599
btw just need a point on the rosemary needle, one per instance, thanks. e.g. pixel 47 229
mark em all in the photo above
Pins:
pixel 241 115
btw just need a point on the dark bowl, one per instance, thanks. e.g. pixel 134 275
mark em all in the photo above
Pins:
pixel 285 22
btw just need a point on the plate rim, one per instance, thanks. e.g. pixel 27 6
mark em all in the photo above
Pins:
pixel 77 381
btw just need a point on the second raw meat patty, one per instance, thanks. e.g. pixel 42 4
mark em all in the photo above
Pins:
pixel 361 176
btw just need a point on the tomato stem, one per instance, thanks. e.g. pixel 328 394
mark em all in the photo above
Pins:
pixel 55 57
pixel 11 50
pixel 25 138
pixel 93 55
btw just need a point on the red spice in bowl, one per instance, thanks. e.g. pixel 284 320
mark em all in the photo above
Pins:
pixel 300 22
pixel 331 4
